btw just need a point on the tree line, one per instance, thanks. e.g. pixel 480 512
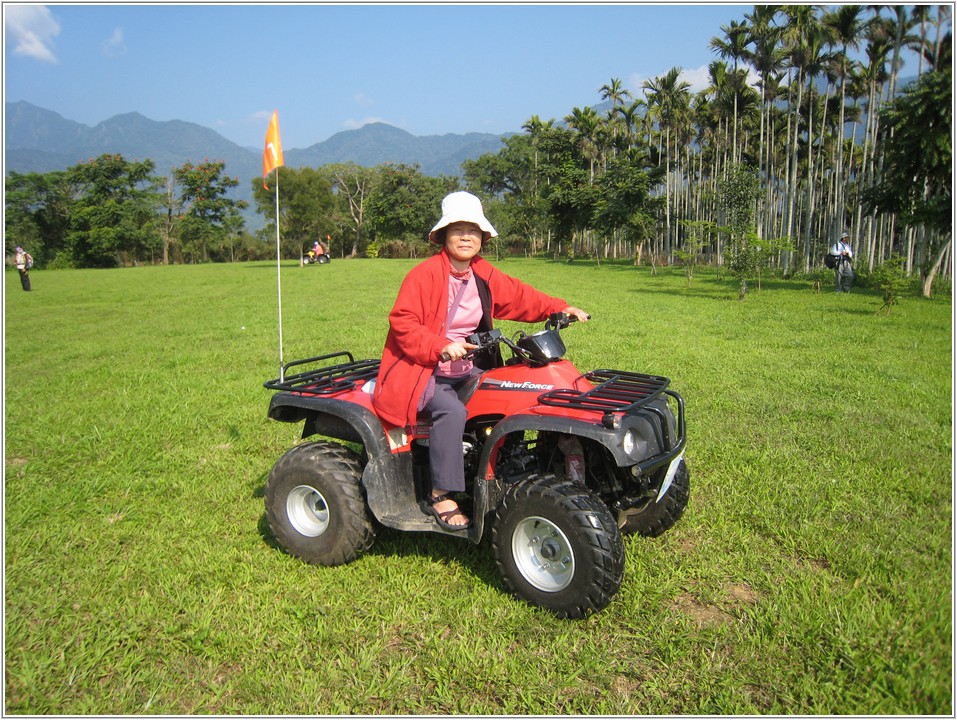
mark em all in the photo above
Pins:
pixel 110 211
pixel 792 141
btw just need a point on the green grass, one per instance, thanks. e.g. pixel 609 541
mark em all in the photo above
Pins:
pixel 811 573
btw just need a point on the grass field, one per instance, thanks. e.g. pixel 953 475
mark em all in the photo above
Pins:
pixel 811 573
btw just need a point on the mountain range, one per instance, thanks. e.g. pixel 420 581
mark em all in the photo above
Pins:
pixel 39 140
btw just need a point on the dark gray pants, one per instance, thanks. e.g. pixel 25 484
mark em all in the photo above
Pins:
pixel 843 276
pixel 445 437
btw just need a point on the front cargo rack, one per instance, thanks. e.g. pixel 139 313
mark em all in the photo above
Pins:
pixel 613 391
pixel 326 380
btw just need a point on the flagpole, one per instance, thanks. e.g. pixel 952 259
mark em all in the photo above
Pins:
pixel 273 160
pixel 279 279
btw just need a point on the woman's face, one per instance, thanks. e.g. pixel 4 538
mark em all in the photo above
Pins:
pixel 463 241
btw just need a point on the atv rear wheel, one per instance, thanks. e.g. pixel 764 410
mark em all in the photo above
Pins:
pixel 316 506
pixel 659 515
pixel 557 546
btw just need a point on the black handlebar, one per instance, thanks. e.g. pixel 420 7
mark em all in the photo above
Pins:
pixel 485 340
pixel 560 321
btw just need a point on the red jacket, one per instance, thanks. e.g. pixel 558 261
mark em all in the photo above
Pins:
pixel 413 345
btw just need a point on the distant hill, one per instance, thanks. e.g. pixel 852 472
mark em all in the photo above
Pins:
pixel 377 143
pixel 39 140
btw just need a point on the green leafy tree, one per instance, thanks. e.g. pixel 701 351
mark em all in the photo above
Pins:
pixel 625 206
pixel 211 220
pixel 738 194
pixel 765 250
pixel 889 278
pixel 698 234
pixel 37 213
pixel 403 207
pixel 114 213
pixel 509 177
pixel 918 167
pixel 307 208
pixel 572 200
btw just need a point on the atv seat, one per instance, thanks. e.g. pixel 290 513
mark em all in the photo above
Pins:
pixel 468 388
pixel 465 392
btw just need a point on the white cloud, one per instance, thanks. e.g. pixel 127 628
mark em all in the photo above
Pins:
pixel 116 45
pixel 260 117
pixel 698 79
pixel 31 29
pixel 363 100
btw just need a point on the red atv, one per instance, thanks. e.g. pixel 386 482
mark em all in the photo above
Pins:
pixel 558 463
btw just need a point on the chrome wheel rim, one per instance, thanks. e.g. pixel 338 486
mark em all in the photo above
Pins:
pixel 307 510
pixel 543 554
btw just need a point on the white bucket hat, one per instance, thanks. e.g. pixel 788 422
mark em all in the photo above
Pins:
pixel 462 207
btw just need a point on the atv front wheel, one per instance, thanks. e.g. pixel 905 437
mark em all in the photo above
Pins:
pixel 316 506
pixel 660 514
pixel 557 546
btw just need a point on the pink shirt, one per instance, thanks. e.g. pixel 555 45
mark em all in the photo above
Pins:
pixel 466 320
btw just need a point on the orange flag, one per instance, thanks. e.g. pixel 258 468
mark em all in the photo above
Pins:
pixel 272 153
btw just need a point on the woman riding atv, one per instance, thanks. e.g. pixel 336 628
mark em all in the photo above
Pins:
pixel 440 303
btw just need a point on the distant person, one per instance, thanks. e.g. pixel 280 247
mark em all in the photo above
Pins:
pixel 843 270
pixel 24 262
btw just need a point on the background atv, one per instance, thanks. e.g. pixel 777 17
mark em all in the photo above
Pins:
pixel 313 257
pixel 557 463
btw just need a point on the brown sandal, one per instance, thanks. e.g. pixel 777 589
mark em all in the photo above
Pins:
pixel 443 517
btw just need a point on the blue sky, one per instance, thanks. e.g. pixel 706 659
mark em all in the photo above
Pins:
pixel 428 69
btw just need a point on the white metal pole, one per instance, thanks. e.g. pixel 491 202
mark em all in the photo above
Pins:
pixel 279 279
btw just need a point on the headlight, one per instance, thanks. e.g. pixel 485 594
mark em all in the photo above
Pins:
pixel 628 442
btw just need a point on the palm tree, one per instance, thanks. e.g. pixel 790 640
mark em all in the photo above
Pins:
pixel 719 93
pixel 631 119
pixel 767 58
pixel 804 39
pixel 734 46
pixel 587 123
pixel 615 92
pixel 670 100
pixel 536 129
pixel 873 75
pixel 847 26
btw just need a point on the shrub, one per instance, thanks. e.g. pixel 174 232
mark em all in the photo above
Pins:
pixel 889 278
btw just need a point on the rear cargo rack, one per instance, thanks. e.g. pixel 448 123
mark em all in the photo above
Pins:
pixel 326 380
pixel 614 391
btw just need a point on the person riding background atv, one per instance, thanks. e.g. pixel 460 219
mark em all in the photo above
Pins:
pixel 441 302
pixel 318 253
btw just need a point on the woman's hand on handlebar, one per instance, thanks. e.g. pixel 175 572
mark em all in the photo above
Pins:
pixel 577 313
pixel 456 350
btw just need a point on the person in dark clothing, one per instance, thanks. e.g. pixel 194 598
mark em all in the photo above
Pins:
pixel 24 262
pixel 843 270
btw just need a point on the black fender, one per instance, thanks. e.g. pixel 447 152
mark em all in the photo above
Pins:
pixel 387 478
pixel 660 439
